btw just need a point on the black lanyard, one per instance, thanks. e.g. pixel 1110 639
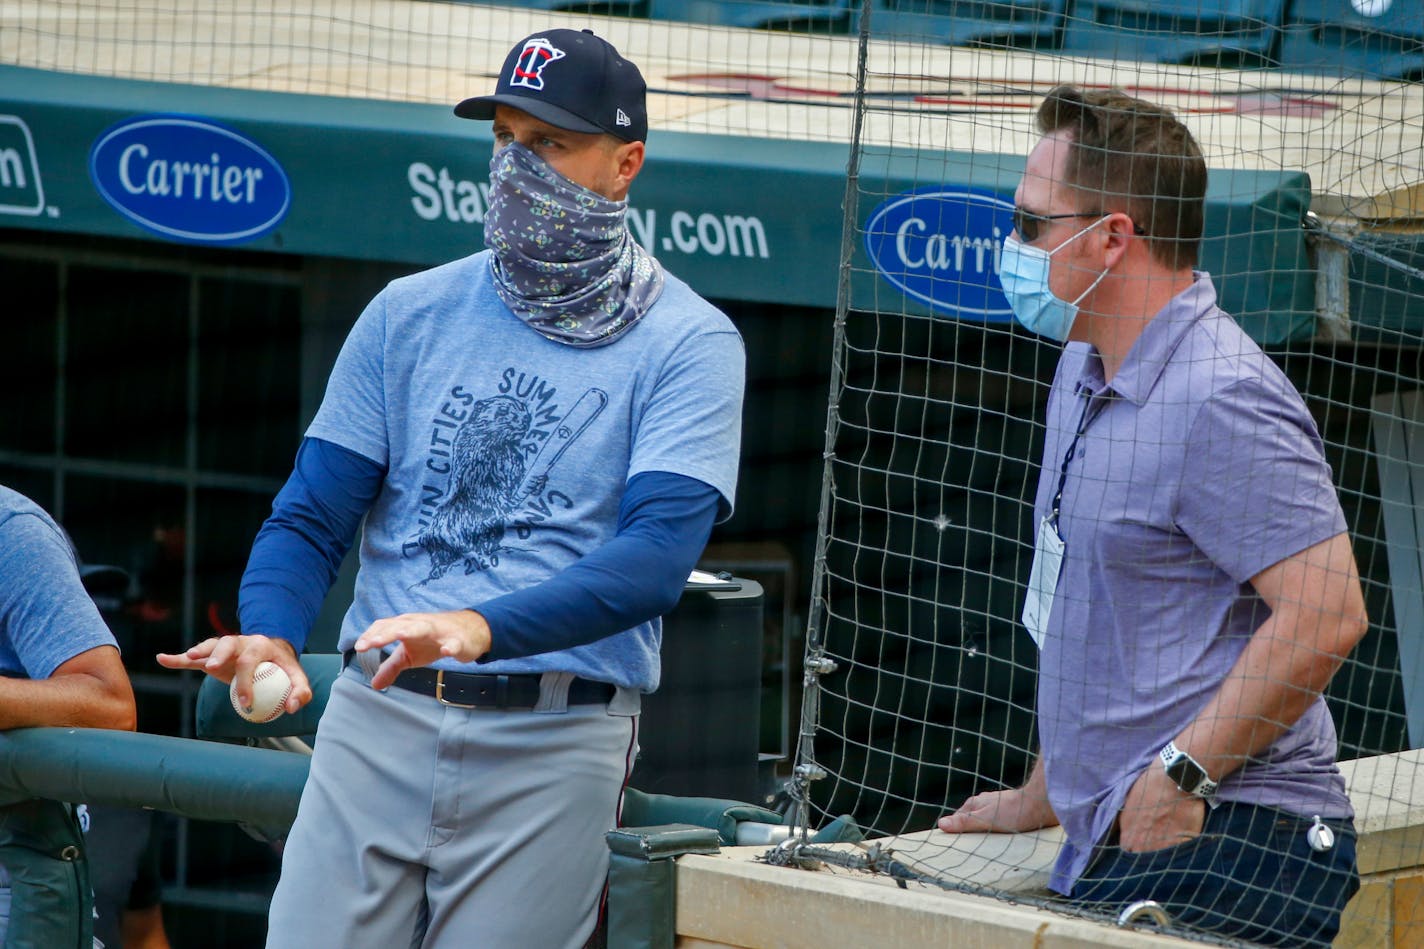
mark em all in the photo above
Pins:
pixel 1068 457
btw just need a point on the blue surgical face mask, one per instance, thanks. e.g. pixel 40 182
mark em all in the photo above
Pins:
pixel 1023 273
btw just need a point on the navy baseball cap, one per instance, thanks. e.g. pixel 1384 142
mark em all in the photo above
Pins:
pixel 572 80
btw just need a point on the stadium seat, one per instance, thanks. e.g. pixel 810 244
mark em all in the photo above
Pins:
pixel 822 15
pixel 1016 24
pixel 1334 36
pixel 1229 33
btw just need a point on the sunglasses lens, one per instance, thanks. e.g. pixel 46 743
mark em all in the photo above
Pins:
pixel 1026 224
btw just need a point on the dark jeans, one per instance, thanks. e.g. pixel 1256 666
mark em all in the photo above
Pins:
pixel 1250 875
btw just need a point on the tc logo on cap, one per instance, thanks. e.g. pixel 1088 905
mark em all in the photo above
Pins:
pixel 533 58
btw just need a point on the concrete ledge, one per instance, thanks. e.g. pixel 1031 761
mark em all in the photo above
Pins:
pixel 1388 794
pixel 731 900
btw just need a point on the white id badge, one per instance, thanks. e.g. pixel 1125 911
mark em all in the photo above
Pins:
pixel 1042 580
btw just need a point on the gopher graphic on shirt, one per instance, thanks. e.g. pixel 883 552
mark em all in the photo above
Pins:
pixel 502 452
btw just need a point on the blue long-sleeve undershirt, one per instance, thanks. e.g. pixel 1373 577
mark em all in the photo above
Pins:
pixel 300 547
pixel 664 521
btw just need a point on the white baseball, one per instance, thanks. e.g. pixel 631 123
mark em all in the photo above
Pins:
pixel 270 687
pixel 1371 8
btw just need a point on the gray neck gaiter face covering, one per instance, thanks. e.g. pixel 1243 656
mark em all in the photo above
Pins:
pixel 563 258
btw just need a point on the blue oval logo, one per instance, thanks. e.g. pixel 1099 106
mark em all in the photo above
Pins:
pixel 941 246
pixel 190 179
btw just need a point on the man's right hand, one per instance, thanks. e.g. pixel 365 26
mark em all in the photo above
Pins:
pixel 1005 812
pixel 1000 812
pixel 229 658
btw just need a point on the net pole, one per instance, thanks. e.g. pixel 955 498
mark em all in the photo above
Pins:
pixel 816 662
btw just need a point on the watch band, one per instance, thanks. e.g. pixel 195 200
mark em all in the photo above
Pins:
pixel 1186 772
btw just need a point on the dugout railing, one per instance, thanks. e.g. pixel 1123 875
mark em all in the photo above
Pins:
pixel 223 777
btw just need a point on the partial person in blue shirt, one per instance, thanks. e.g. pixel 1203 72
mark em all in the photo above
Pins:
pixel 534 443
pixel 59 664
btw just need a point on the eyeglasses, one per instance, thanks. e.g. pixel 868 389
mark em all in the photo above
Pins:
pixel 1027 223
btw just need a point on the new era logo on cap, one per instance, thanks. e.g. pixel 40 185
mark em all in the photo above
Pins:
pixel 573 80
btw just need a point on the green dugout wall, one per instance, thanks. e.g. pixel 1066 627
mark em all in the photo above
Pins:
pixel 755 220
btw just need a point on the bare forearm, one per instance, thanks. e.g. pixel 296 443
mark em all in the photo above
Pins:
pixel 76 701
pixel 1035 792
pixel 1273 683
pixel 1037 782
pixel 1316 617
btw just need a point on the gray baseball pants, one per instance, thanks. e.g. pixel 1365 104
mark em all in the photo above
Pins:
pixel 428 826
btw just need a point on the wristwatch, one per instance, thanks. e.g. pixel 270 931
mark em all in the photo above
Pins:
pixel 1184 770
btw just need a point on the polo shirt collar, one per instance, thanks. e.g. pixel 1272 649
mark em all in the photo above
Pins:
pixel 1148 357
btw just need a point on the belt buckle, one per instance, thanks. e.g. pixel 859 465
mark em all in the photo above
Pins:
pixel 440 692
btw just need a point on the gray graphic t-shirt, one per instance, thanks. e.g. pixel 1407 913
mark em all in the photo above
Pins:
pixel 507 453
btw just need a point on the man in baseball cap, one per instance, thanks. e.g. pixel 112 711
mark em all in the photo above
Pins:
pixel 539 438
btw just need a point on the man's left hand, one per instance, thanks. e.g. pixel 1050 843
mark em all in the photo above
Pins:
pixel 1158 814
pixel 423 638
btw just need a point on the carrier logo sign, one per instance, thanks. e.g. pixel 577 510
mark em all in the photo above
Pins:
pixel 941 246
pixel 190 179
pixel 20 189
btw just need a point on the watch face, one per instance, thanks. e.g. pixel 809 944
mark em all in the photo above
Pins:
pixel 1186 773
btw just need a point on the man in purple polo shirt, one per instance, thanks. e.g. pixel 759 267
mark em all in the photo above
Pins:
pixel 1193 587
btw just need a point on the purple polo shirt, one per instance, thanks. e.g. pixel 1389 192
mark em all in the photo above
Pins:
pixel 1197 468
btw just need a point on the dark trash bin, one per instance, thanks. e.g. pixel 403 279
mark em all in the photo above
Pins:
pixel 700 733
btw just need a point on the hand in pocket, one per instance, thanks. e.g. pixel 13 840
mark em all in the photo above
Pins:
pixel 1157 814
